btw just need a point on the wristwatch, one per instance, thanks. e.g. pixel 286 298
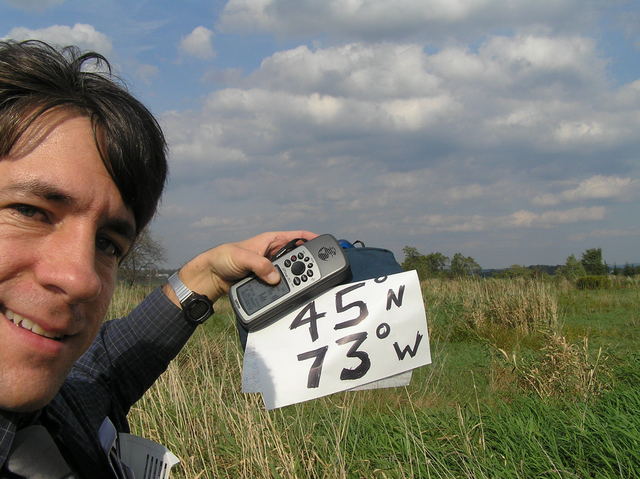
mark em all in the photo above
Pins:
pixel 196 307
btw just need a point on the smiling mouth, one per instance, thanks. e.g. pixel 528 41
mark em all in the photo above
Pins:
pixel 29 325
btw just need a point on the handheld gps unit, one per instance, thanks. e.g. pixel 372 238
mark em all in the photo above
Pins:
pixel 305 270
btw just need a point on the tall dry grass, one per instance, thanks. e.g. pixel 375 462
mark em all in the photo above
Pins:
pixel 126 297
pixel 491 307
pixel 198 411
pixel 562 369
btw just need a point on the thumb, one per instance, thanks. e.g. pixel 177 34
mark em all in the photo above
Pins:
pixel 265 270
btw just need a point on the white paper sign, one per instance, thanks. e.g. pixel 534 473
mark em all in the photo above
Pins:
pixel 353 335
pixel 398 380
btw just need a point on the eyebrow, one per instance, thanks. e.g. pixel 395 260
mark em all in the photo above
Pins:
pixel 49 192
pixel 41 189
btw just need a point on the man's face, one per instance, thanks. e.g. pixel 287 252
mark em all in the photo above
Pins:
pixel 63 227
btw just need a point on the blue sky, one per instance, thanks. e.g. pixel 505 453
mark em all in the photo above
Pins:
pixel 505 130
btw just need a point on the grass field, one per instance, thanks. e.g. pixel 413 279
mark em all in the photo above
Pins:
pixel 530 379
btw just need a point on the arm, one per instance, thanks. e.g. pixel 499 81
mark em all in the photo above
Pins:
pixel 130 353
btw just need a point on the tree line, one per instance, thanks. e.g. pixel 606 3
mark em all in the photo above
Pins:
pixel 592 264
pixel 142 263
pixel 437 265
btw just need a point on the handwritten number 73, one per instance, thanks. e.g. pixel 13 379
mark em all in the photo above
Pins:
pixel 313 379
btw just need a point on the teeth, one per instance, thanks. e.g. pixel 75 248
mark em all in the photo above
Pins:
pixel 29 325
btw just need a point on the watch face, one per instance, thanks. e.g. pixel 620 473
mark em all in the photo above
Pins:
pixel 199 309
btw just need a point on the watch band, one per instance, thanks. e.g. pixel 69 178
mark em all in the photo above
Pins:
pixel 196 308
pixel 181 290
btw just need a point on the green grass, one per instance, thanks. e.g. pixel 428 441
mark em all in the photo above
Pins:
pixel 610 317
pixel 528 380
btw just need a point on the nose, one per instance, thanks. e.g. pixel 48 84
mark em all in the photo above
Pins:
pixel 67 264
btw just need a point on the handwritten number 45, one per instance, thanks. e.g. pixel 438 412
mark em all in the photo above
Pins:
pixel 309 315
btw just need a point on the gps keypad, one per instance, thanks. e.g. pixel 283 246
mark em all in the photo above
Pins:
pixel 301 267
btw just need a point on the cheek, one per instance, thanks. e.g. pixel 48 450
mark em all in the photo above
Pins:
pixel 15 256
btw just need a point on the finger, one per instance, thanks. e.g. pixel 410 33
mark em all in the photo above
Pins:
pixel 246 261
pixel 268 243
pixel 250 256
pixel 284 237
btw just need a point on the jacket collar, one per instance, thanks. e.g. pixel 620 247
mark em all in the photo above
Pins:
pixel 10 422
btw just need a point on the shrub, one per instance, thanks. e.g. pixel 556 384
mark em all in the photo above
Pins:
pixel 593 282
pixel 564 369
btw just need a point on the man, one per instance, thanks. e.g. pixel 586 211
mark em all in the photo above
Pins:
pixel 82 166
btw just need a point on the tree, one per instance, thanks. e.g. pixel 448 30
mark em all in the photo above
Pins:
pixel 427 266
pixel 464 266
pixel 592 262
pixel 143 258
pixel 411 256
pixel 436 263
pixel 515 271
pixel 413 259
pixel 572 268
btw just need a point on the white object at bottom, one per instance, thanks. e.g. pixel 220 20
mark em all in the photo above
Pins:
pixel 147 459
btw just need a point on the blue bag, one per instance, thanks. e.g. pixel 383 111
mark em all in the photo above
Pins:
pixel 368 263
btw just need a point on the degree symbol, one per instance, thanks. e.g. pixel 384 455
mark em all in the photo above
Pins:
pixel 383 330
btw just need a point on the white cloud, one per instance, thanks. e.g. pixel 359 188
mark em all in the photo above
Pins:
pixel 525 66
pixel 546 219
pixel 541 53
pixel 356 70
pixel 198 43
pixel 494 99
pixel 198 139
pixel 595 187
pixel 521 219
pixel 432 19
pixel 82 35
pixel 579 131
pixel 606 233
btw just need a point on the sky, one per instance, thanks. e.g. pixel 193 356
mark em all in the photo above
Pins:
pixel 506 130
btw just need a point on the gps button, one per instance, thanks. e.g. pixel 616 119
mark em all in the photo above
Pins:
pixel 298 268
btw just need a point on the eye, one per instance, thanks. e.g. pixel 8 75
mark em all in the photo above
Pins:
pixel 108 247
pixel 29 211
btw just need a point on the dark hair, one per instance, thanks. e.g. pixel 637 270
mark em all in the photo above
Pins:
pixel 36 78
